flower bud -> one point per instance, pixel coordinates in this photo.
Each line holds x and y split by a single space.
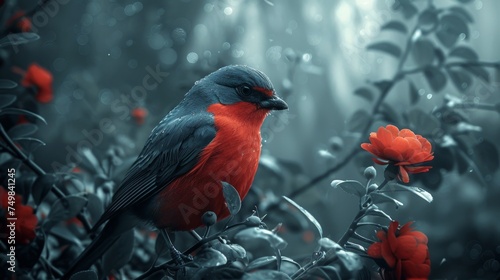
370 172
253 221
209 218
372 188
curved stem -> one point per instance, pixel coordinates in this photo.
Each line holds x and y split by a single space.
352 228
384 183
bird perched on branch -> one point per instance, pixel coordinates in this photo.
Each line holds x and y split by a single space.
213 135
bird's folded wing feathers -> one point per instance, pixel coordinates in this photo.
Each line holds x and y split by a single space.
173 148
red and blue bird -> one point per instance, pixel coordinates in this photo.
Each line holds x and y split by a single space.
211 136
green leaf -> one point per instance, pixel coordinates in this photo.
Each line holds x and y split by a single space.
307 214
232 197
17 111
120 253
18 39
94 207
350 186
422 122
42 186
464 52
374 211
260 262
435 77
460 79
64 209
84 275
395 25
479 72
450 28
29 144
351 261
423 52
249 234
365 93
389 114
6 100
327 244
7 84
266 274
416 190
379 198
386 47
428 19
232 252
209 257
414 95
22 130
358 121
322 272
407 8
462 13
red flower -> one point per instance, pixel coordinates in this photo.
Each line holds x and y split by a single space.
41 78
22 22
402 148
26 219
139 114
404 252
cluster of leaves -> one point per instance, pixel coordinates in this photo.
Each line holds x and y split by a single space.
436 44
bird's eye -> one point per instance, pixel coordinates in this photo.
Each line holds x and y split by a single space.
245 90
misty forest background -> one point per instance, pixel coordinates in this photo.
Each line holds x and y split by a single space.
316 54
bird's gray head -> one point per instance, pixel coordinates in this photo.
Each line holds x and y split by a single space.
240 83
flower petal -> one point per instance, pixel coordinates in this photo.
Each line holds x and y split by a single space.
420 254
421 238
414 144
417 169
404 175
405 229
402 146
385 136
394 130
370 148
377 161
375 250
391 235
406 247
391 154
377 143
407 133
387 254
415 271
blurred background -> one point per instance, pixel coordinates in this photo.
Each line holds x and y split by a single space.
130 62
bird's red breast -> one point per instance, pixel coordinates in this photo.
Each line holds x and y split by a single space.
232 156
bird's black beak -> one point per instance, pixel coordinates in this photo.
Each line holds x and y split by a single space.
273 103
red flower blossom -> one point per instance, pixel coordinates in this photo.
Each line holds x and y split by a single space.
22 22
139 114
40 78
404 252
26 219
403 149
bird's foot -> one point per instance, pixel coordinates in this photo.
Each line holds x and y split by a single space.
179 258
